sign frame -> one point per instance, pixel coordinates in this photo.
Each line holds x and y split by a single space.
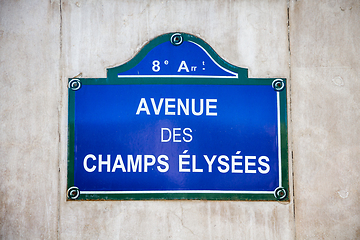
114 77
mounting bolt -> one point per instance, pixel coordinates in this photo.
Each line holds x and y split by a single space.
73 193
74 84
176 39
278 84
280 193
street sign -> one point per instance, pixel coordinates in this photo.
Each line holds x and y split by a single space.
177 122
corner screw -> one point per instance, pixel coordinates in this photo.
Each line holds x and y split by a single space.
74 84
73 193
176 39
278 84
280 193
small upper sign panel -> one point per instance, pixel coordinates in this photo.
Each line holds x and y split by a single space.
186 60
183 56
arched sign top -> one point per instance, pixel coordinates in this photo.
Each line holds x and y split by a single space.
177 55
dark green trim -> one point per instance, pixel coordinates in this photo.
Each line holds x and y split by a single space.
284 142
181 196
71 137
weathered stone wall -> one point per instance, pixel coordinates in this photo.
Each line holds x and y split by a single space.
315 45
30 107
325 113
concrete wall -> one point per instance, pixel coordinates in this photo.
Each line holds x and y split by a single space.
325 111
42 43
30 105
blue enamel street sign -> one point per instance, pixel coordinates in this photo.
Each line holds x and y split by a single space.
177 122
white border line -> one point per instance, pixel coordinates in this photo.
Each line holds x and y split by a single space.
184 191
226 70
279 136
173 76
211 191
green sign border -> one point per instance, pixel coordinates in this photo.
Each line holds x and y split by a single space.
281 194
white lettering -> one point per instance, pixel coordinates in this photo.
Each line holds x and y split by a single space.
158 108
182 162
85 163
161 162
167 106
267 167
247 164
147 163
162 134
181 105
143 107
107 163
225 164
194 169
210 162
176 134
208 107
178 106
118 164
234 163
134 166
188 135
183 66
156 66
193 107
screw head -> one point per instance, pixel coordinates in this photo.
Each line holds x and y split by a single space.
280 193
278 84
73 193
74 84
176 39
